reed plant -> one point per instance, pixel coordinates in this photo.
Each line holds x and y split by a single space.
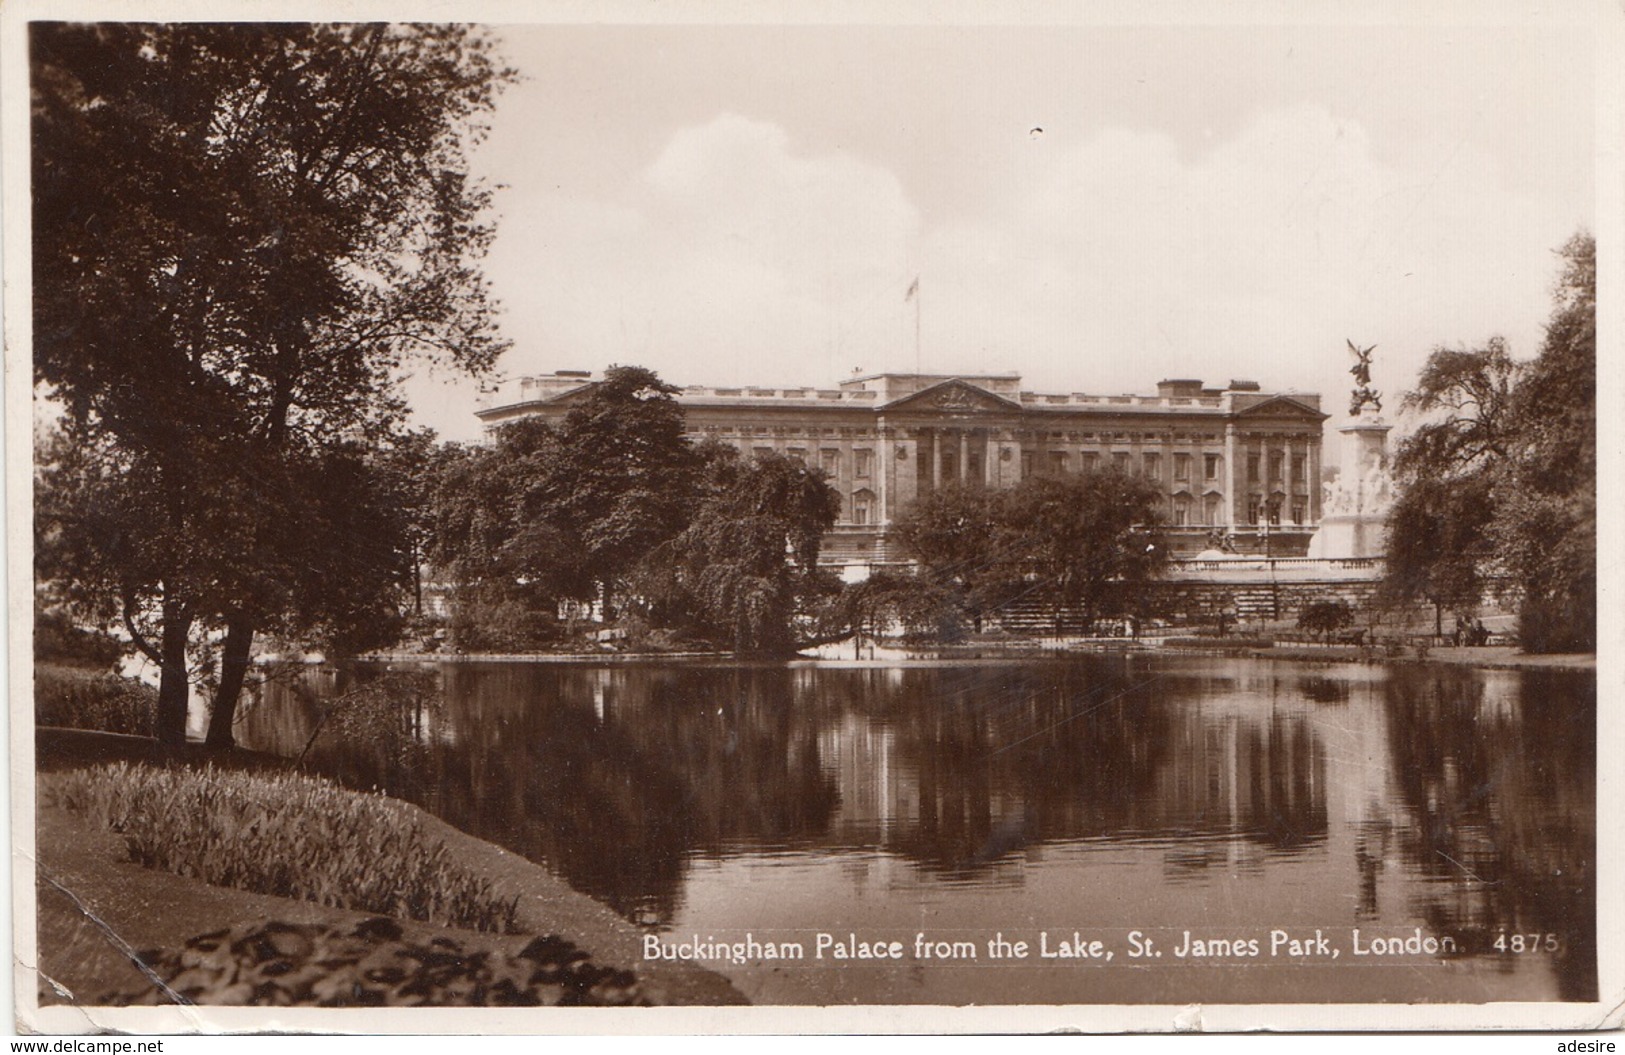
84 699
285 834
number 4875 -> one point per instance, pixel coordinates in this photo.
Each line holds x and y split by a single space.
1526 943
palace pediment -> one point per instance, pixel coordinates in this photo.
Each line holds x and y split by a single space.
1281 408
954 397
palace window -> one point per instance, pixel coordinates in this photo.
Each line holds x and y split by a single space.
1277 466
1253 466
761 452
1210 466
1299 512
830 462
1120 460
1211 508
798 453
1182 468
1026 464
1181 510
1152 465
1091 461
1300 468
862 507
1057 462
862 461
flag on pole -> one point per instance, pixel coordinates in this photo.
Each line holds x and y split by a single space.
913 289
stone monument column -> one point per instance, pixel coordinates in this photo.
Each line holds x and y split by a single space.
1355 520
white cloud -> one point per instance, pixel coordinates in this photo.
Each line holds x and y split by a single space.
738 256
1123 261
732 258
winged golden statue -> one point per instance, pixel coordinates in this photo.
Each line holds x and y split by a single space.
1363 395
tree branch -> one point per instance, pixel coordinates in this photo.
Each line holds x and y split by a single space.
136 636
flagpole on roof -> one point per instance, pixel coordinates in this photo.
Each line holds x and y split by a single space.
914 295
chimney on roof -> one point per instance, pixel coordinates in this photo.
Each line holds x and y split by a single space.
1179 388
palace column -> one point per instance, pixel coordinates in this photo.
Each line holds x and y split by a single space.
990 459
1314 480
936 460
1232 500
885 472
964 456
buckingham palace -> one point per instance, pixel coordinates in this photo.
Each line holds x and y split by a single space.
1232 460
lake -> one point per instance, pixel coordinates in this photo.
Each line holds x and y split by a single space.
1088 829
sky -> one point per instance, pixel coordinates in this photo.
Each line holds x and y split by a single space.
1094 207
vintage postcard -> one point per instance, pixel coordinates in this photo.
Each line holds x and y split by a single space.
629 517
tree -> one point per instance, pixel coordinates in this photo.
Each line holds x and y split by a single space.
1501 480
751 547
1089 538
547 514
240 234
1325 618
1439 543
622 478
1546 499
1439 546
491 533
1468 394
952 533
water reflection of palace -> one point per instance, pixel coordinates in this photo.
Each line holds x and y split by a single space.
971 787
1458 799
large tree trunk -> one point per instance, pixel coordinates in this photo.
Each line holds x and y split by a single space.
174 686
233 669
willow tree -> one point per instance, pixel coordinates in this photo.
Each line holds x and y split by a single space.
1498 482
241 234
750 552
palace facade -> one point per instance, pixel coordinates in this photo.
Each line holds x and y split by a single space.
1233 460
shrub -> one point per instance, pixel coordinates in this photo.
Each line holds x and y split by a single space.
1325 617
503 625
284 834
80 699
57 639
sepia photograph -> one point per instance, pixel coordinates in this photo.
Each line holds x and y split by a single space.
1059 511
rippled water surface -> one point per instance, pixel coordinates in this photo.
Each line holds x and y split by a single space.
1222 828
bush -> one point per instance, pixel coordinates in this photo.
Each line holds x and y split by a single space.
1325 618
58 640
503 625
79 699
284 834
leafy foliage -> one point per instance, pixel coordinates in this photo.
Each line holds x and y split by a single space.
287 835
954 534
57 639
1439 544
241 234
751 546
927 608
1468 394
1082 535
622 478
1082 540
1546 524
75 698
1325 617
1502 480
